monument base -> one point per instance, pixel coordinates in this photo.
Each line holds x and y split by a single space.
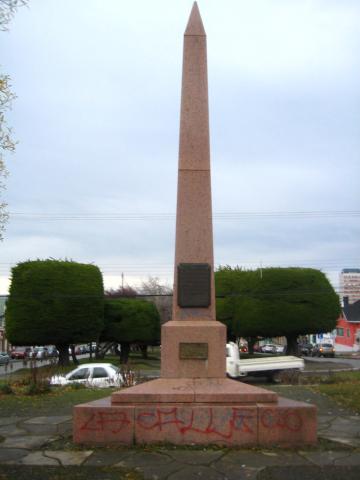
193 332
195 411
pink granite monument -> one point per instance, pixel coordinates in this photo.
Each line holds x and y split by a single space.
194 401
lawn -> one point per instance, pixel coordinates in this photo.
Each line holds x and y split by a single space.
344 388
59 401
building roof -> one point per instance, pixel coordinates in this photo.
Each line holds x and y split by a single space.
352 311
350 270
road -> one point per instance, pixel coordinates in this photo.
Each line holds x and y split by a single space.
15 365
352 362
18 364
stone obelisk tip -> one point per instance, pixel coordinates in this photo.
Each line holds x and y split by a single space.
195 25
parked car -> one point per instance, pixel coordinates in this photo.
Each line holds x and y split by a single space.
20 352
40 353
243 348
305 349
4 358
280 348
99 375
81 349
52 352
268 348
323 350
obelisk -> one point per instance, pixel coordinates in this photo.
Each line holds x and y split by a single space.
193 343
193 401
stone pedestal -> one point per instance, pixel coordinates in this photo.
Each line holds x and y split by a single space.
190 411
211 333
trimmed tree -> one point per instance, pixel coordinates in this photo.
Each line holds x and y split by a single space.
276 302
55 302
129 321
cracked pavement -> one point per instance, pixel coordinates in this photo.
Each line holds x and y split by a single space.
41 447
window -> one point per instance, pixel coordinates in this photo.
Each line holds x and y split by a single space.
348 332
115 369
81 374
340 332
100 372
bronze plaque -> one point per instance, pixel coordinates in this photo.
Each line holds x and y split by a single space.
193 351
194 285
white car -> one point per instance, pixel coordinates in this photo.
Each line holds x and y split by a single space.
99 375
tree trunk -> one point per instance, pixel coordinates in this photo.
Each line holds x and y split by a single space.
102 349
117 351
292 345
73 355
144 352
63 355
251 342
124 353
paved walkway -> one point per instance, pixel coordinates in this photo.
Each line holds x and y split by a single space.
46 442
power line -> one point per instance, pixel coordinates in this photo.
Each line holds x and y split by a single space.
138 216
227 295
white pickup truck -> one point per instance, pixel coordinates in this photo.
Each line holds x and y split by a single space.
272 367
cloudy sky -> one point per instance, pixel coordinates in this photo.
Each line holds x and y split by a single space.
97 118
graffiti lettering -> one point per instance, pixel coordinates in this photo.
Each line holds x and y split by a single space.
203 421
113 422
288 420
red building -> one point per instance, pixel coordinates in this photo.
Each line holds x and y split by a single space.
348 328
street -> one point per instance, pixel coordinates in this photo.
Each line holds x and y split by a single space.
352 362
15 365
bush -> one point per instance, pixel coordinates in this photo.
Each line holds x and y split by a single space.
55 302
77 386
6 389
36 388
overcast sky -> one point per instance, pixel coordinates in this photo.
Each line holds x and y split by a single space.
97 118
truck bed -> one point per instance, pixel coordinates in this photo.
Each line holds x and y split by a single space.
268 363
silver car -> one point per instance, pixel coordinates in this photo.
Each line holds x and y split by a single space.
4 358
323 350
100 375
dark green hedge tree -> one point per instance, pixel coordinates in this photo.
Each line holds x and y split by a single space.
55 302
129 321
276 302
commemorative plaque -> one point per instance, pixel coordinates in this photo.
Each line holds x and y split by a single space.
193 351
194 285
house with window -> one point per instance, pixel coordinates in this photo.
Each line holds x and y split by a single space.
348 328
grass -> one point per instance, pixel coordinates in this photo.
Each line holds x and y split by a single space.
59 400
18 395
343 388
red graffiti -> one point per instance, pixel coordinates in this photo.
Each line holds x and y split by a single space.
288 420
203 422
109 421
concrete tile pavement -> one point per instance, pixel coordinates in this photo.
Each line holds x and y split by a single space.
44 441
